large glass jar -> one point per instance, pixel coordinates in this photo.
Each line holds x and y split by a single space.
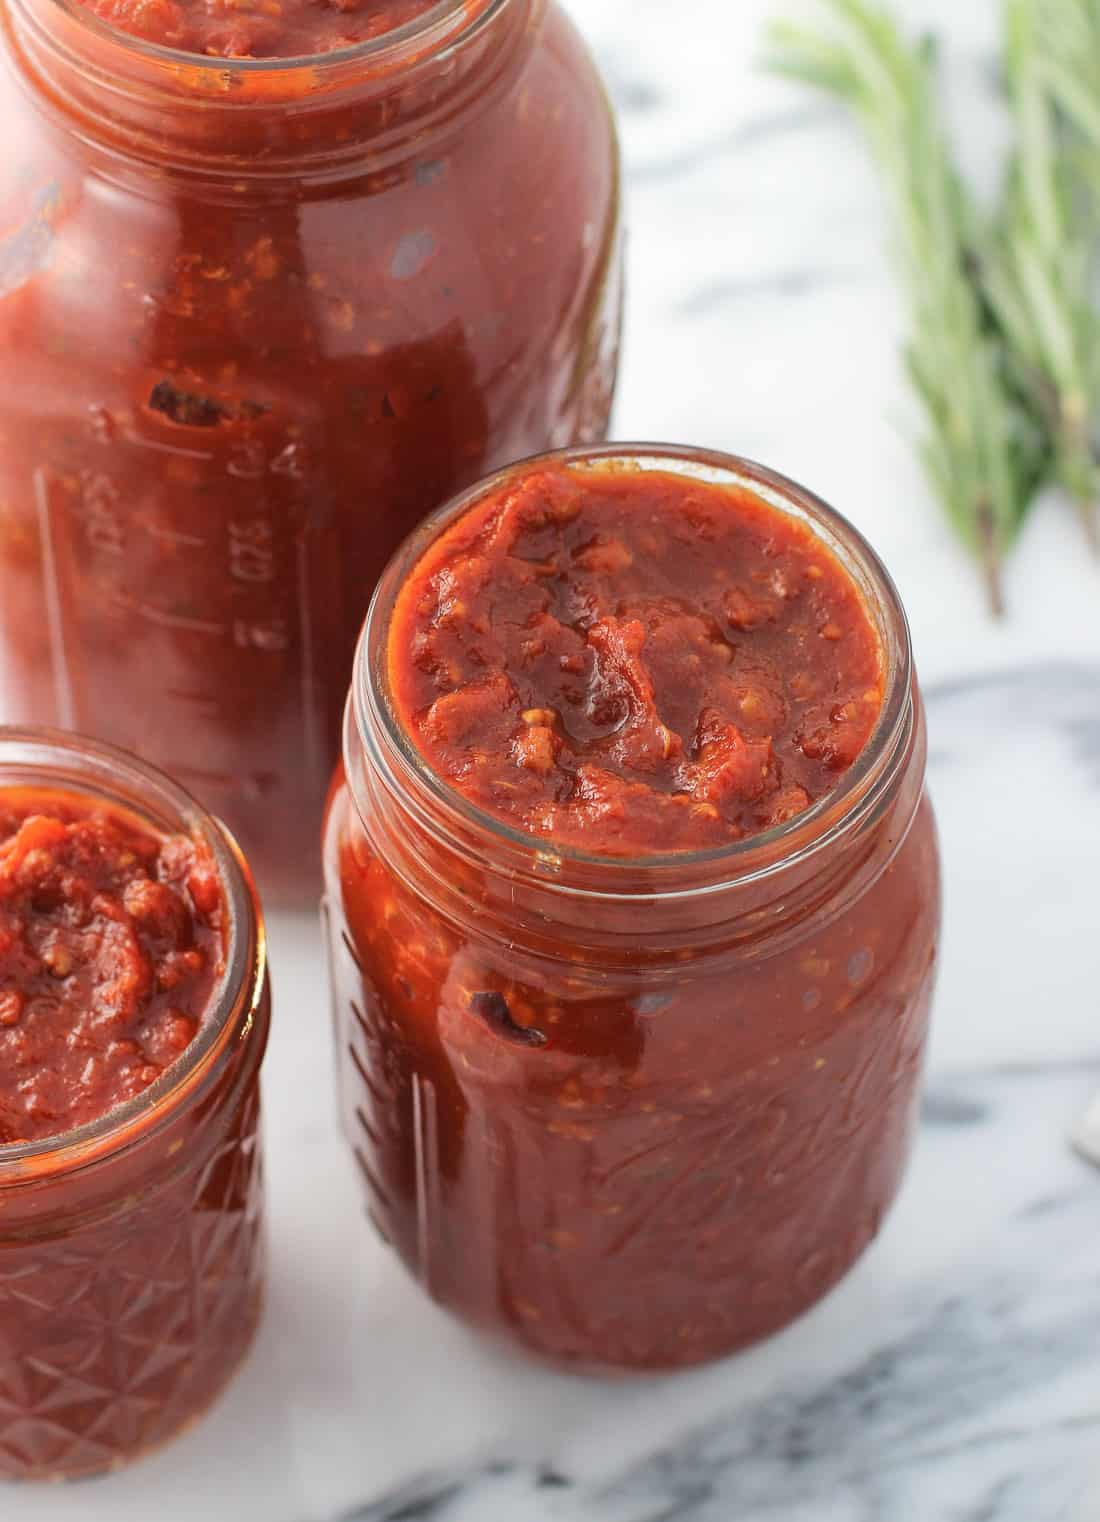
257 318
131 1248
632 1116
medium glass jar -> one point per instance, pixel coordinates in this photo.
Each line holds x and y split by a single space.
685 1106
257 318
131 1248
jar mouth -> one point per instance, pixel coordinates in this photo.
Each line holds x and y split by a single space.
40 756
434 33
858 792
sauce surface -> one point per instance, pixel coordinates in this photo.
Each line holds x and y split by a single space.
632 662
258 28
110 947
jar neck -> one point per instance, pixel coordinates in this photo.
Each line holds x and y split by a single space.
249 121
757 903
752 897
48 759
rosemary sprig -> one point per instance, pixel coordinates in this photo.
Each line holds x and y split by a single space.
1038 276
1067 60
982 450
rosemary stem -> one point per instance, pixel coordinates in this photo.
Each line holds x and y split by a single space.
983 446
991 559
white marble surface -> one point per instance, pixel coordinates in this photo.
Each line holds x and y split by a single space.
955 1377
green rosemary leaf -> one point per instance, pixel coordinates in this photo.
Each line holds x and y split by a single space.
1067 37
1038 270
983 452
1073 93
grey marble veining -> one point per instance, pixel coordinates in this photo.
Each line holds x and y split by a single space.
980 1400
1086 1134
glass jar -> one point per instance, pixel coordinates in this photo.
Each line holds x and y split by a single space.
257 318
701 1107
131 1248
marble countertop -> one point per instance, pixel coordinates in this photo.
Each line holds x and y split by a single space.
955 1376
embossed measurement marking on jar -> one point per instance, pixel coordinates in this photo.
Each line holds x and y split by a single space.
54 605
102 557
426 1157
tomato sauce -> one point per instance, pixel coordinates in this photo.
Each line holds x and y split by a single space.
134 1010
626 662
633 901
259 28
110 947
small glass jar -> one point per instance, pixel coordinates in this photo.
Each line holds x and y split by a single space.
722 1117
257 319
131 1248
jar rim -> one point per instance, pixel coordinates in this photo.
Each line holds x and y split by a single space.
42 756
432 34
860 789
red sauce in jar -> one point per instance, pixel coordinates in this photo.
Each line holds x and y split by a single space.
632 1105
259 28
111 943
337 293
631 662
131 1210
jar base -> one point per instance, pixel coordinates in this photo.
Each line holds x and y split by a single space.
61 1476
694 1354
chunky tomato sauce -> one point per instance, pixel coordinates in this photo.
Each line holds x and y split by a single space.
110 947
632 1108
632 662
259 28
131 1257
